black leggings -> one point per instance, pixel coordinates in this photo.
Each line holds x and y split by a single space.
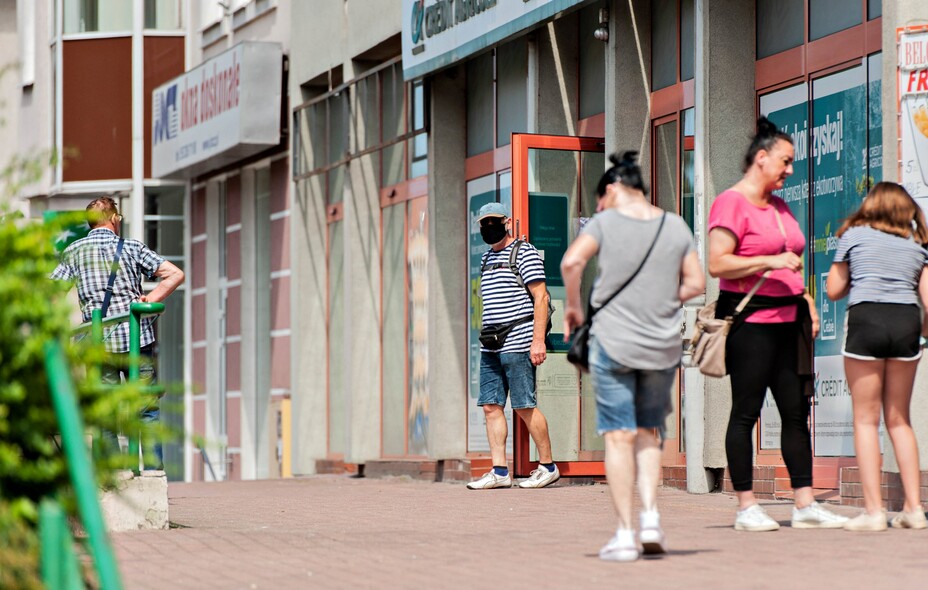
759 356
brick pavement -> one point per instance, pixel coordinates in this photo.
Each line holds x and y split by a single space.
338 532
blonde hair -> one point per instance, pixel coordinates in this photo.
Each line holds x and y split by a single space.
890 208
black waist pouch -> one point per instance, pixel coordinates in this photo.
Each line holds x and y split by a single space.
493 337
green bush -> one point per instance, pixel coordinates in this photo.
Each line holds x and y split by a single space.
33 310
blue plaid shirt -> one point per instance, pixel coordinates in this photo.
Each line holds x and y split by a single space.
89 262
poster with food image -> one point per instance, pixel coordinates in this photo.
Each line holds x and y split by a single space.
912 90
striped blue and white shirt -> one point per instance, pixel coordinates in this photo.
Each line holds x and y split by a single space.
504 300
88 261
884 268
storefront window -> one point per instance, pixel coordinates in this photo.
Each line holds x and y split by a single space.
366 119
164 233
687 39
665 166
688 161
91 16
511 90
663 44
592 64
779 26
418 145
830 16
163 15
480 114
394 124
338 143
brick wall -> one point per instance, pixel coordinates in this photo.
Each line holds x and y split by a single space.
891 487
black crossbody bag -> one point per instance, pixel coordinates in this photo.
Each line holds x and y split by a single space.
579 352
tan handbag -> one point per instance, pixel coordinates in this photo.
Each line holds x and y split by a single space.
710 334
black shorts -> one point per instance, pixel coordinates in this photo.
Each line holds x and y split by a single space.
883 331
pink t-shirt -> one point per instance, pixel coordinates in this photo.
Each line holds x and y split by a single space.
758 234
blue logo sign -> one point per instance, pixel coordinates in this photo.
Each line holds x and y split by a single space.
418 12
166 119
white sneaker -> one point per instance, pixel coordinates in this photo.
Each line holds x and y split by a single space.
541 477
651 535
621 547
816 516
755 519
490 481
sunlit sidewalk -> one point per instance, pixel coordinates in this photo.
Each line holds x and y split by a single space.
339 532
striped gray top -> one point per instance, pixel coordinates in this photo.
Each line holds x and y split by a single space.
884 268
504 300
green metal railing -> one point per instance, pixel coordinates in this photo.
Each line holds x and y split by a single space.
60 569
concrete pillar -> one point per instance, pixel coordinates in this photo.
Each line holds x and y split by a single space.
628 80
900 13
725 117
249 318
213 341
447 268
308 324
361 234
255 320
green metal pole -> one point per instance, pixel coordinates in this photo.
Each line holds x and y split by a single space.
135 339
64 400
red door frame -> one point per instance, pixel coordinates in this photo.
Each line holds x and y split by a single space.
521 144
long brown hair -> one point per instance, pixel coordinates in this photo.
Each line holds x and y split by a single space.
889 208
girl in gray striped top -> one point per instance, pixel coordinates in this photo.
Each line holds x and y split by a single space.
880 266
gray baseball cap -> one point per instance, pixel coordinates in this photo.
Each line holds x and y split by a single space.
492 210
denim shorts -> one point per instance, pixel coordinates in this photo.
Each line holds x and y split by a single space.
627 398
507 371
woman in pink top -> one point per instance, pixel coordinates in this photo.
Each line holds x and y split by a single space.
752 235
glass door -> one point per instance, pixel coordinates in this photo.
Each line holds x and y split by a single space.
553 181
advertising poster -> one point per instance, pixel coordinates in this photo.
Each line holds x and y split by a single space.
788 109
479 192
834 421
913 112
840 180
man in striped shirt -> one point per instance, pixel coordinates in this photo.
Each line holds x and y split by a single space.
510 367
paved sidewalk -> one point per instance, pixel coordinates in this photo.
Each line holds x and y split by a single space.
338 532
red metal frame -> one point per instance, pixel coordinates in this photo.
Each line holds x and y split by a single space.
521 144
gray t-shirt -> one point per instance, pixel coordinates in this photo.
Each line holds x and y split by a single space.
640 328
884 268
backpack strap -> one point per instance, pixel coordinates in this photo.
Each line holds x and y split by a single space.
514 266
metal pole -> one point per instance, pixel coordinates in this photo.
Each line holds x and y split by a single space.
64 400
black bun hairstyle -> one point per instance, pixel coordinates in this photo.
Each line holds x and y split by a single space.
765 139
624 169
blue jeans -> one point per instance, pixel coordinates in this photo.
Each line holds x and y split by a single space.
626 398
150 414
507 371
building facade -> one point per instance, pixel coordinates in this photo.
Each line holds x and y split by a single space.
315 168
413 116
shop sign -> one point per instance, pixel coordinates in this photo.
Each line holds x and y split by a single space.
224 110
438 33
912 88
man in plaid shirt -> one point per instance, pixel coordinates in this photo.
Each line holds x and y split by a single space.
89 262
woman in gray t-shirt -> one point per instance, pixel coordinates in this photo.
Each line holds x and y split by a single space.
635 346
880 266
